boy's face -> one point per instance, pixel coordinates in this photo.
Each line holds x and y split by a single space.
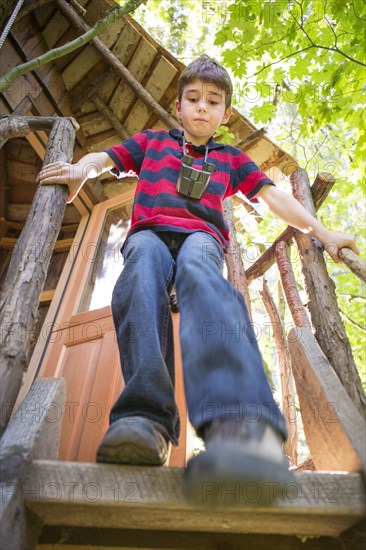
202 110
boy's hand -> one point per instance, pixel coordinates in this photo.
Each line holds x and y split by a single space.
63 173
335 241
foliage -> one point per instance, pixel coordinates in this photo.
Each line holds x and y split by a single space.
183 27
307 52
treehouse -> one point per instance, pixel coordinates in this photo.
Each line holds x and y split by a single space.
60 369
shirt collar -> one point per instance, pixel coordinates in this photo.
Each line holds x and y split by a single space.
212 144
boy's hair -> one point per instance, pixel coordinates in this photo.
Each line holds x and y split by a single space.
208 70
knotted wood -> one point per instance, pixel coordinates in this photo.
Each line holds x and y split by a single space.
28 271
322 301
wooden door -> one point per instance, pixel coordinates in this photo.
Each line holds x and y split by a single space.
82 347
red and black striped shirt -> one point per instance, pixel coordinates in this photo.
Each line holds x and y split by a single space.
156 155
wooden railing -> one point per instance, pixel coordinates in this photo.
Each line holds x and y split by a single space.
321 364
31 256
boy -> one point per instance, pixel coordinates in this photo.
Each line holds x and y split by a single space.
178 239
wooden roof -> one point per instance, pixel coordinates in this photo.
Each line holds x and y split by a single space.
83 85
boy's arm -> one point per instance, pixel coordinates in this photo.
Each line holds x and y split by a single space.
75 175
287 208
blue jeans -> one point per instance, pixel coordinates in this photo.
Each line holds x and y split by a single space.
222 366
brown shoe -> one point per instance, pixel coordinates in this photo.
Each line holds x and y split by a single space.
135 440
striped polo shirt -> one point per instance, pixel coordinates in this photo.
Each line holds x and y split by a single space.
156 157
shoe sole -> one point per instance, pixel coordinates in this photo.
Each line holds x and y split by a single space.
134 446
227 477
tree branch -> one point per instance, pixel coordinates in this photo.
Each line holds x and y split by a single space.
7 79
352 322
313 45
279 60
336 49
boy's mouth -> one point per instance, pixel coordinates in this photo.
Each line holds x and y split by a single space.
200 120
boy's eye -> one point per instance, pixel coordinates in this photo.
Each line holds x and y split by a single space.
213 102
193 99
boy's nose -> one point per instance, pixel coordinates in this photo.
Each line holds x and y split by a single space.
201 105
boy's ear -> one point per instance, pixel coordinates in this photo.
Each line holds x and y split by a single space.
227 115
177 108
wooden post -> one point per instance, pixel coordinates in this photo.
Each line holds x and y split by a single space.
234 261
34 433
284 361
289 286
28 271
320 189
322 301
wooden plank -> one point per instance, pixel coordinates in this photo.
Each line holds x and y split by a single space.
85 61
4 109
93 122
44 14
33 433
54 29
78 538
100 142
160 79
335 431
123 48
124 97
63 245
36 144
125 497
46 297
7 243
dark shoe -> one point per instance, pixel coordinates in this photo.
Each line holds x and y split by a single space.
135 440
243 465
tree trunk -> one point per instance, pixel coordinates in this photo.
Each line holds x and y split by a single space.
28 271
323 307
234 260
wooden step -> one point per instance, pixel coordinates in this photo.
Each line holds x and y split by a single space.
73 494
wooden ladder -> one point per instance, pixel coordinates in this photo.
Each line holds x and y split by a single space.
48 503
